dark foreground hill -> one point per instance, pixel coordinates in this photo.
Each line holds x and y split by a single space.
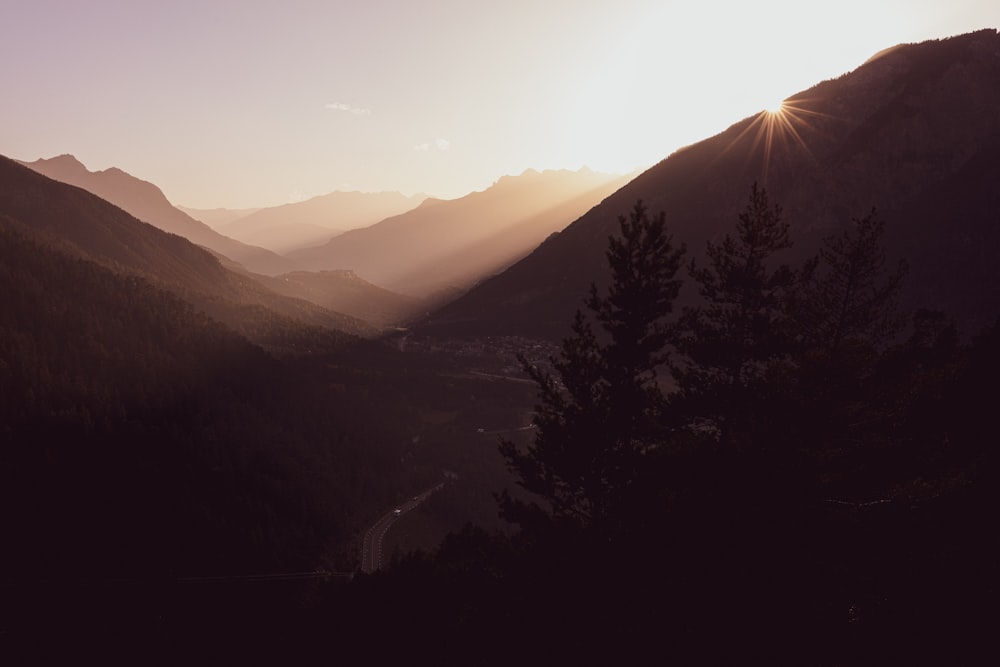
914 132
148 429
162 415
141 431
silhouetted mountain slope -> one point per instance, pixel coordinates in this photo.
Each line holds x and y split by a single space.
77 222
101 375
146 202
141 439
914 132
444 244
317 220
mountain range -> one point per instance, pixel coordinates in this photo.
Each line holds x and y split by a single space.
74 221
914 132
453 244
311 222
424 248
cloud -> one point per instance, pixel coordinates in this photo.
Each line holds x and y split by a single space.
440 144
347 108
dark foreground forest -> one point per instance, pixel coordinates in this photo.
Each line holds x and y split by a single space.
791 472
817 484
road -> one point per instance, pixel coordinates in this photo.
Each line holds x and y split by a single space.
501 431
371 545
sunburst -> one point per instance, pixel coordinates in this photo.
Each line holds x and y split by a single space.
776 109
778 128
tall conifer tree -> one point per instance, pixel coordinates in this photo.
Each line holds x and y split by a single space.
598 416
730 342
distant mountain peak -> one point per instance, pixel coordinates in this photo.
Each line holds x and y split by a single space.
115 171
64 162
67 158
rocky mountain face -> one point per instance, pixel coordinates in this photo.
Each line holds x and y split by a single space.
913 132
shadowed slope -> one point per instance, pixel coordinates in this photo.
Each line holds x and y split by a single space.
913 132
79 223
146 202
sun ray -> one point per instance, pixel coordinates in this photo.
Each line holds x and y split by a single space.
777 132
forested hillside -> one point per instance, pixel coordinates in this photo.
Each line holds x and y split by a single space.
142 437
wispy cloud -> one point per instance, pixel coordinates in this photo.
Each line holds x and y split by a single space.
440 144
347 108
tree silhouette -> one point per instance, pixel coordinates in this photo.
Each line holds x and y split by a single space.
598 417
852 301
730 342
844 315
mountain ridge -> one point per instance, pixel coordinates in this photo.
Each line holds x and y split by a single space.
880 136
79 223
314 221
408 253
145 201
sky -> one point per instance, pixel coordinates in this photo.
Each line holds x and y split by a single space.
246 103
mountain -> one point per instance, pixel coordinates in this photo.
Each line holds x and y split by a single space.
147 202
78 223
914 132
454 243
156 440
317 220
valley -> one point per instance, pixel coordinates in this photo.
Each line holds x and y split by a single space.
743 398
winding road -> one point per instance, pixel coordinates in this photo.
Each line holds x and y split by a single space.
371 545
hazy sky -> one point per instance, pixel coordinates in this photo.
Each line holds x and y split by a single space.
244 103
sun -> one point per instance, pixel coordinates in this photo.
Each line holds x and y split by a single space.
775 131
776 109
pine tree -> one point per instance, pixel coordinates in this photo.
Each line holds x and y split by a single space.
731 342
852 300
845 314
598 417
